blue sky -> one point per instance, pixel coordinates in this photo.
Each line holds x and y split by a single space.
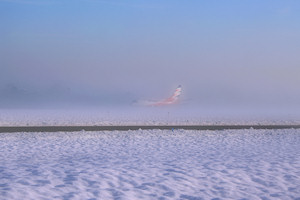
215 49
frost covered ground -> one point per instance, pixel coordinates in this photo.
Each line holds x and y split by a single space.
130 115
154 164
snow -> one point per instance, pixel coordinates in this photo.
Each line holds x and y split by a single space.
147 116
151 164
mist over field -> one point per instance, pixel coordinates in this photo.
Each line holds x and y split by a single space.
99 53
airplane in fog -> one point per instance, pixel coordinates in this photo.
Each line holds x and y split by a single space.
171 100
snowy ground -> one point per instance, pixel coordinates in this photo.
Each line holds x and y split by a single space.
185 115
154 164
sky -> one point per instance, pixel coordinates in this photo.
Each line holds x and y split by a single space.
233 51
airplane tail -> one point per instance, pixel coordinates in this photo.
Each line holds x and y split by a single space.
171 100
177 93
174 98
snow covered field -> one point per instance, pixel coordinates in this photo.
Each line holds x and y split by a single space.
154 164
185 115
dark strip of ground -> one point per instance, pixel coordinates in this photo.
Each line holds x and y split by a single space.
10 129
